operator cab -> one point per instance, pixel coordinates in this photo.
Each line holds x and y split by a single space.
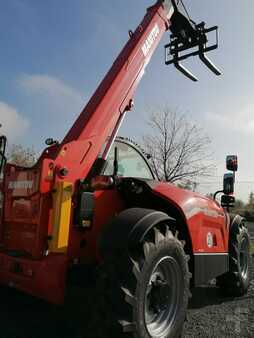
132 161
125 159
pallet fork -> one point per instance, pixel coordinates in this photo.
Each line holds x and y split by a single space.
186 35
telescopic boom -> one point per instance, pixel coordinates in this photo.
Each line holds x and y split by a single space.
101 119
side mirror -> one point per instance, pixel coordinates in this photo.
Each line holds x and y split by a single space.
232 163
228 184
227 201
85 212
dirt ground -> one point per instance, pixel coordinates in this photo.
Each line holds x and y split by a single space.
209 315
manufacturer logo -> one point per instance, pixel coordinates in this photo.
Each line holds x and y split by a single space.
20 185
209 240
150 40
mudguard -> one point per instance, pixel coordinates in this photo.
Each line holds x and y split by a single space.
200 220
208 226
129 228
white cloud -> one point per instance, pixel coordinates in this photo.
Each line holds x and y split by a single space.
240 121
52 104
14 125
231 130
54 92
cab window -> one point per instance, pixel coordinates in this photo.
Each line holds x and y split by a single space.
131 162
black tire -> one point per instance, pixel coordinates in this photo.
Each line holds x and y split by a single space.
146 295
237 280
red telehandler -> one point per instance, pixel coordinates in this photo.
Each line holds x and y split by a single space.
84 204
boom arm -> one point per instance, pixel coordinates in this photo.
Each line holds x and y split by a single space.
102 116
82 144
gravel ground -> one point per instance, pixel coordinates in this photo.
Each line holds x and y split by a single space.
212 315
209 315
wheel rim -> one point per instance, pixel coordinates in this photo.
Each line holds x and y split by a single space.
163 293
244 259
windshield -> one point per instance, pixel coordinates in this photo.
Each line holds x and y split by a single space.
131 163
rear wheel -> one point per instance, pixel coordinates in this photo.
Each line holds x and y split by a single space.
236 281
148 293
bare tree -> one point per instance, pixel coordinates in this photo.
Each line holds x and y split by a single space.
179 149
18 155
24 157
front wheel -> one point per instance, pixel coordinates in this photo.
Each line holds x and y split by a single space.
149 293
236 281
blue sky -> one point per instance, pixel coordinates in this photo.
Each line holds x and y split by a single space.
54 54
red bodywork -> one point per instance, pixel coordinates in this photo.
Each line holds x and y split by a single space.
202 216
25 262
